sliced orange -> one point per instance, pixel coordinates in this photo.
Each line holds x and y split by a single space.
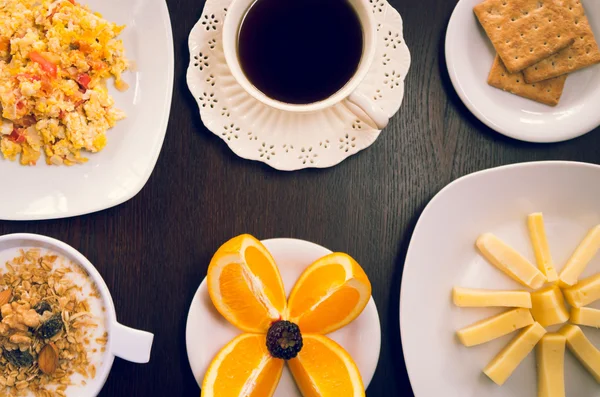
324 369
243 368
245 286
330 293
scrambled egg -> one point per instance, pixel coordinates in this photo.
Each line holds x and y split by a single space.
55 58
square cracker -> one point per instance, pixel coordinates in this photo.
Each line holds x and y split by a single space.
547 92
584 52
524 32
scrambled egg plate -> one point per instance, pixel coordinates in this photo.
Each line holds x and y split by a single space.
55 57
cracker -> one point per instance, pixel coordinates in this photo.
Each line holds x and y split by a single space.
525 31
547 92
584 52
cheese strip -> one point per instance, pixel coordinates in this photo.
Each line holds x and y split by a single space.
504 364
586 316
505 258
584 253
548 306
584 292
471 297
537 234
494 327
550 355
583 349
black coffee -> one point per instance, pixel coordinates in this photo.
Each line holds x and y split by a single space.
300 51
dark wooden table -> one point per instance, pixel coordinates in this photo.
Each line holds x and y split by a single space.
153 251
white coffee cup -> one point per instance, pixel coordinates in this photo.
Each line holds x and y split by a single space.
233 20
124 342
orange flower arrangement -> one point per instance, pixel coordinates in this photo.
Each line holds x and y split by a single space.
246 288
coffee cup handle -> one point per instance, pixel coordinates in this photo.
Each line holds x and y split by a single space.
367 105
131 344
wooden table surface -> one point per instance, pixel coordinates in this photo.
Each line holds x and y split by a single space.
153 251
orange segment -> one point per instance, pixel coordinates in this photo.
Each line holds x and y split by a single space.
261 262
243 367
319 279
324 369
330 293
245 286
330 311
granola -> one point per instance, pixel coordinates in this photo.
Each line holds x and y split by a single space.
46 329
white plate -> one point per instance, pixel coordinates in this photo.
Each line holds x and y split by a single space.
442 255
121 170
207 331
469 56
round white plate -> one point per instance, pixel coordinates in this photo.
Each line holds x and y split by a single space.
292 141
121 170
469 57
442 255
207 331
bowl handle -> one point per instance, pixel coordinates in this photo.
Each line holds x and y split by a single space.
374 112
131 344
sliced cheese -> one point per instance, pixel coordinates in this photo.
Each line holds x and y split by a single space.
537 234
584 292
495 327
550 355
584 253
471 297
548 306
504 364
585 316
505 258
583 349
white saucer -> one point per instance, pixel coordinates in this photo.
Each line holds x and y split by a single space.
442 254
292 141
469 56
207 332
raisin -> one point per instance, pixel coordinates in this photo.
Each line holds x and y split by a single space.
50 327
18 358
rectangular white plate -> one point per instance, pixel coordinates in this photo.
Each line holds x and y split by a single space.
442 255
122 169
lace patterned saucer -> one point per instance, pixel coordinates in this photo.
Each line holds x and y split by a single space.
292 141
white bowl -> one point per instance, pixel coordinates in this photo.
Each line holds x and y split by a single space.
126 343
469 57
442 254
207 331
